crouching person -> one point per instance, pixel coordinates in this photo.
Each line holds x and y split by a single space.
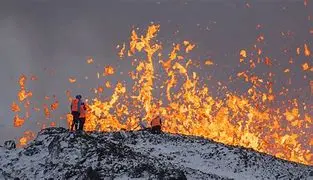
156 125
82 116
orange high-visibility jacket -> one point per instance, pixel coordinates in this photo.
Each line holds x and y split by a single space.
74 105
156 121
82 111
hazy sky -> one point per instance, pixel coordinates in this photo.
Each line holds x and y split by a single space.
40 36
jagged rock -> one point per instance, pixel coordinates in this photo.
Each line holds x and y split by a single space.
54 148
172 175
92 174
10 144
31 150
57 153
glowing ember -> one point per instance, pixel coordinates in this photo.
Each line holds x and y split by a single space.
209 62
305 66
108 84
268 61
23 94
72 80
243 55
260 38
15 107
28 136
122 51
23 141
189 46
54 106
46 111
307 51
18 122
286 70
34 78
90 61
109 70
298 51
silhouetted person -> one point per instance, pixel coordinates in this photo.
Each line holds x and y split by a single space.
82 116
75 108
156 124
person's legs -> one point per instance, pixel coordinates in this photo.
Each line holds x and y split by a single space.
77 124
158 129
83 123
155 129
75 119
152 129
80 124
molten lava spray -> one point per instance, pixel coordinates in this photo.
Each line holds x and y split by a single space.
185 102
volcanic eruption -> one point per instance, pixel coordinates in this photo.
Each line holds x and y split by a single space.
258 106
185 102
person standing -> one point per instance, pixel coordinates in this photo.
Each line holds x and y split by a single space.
75 110
82 116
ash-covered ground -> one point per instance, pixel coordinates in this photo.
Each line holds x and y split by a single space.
57 153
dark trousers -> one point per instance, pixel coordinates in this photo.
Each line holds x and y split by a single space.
81 123
75 120
156 129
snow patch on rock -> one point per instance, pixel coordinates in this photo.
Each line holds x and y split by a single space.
57 153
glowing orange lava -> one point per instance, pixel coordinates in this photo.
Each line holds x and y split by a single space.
237 120
187 107
28 135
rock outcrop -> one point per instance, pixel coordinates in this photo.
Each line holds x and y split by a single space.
59 154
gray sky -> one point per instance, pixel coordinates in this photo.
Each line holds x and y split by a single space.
60 34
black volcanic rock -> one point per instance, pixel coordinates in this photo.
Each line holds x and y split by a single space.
10 144
57 153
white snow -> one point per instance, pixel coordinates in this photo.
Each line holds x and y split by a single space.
58 154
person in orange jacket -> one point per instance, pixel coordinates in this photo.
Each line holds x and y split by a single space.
82 116
156 124
75 110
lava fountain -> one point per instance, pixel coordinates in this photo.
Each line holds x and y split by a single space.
187 105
